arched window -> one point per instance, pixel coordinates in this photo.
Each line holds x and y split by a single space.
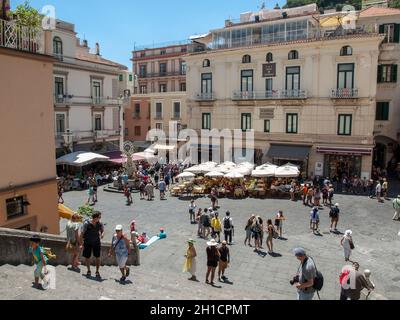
293 55
206 63
346 51
269 57
246 59
57 47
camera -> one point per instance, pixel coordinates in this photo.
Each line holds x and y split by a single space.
295 279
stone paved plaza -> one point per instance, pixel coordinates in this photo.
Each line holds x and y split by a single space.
254 276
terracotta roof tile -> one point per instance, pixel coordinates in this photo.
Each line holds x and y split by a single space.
97 59
378 11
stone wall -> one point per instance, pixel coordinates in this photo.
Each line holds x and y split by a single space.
14 246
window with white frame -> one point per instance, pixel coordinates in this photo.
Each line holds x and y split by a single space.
60 123
159 108
97 122
177 110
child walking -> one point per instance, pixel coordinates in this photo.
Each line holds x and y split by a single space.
40 260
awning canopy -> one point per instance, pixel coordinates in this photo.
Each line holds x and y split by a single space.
81 158
288 152
163 147
345 151
141 144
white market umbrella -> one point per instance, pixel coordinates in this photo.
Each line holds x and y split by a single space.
186 175
262 173
209 164
234 175
246 164
242 170
287 172
266 165
228 164
81 158
214 174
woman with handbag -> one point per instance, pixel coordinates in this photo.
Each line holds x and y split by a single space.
121 247
347 244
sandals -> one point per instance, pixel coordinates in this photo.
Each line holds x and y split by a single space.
88 274
98 275
127 271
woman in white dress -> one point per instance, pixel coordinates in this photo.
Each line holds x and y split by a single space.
347 244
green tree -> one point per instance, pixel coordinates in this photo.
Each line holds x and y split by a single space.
394 3
28 16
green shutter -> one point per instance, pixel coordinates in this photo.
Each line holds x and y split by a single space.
394 73
379 74
396 33
382 28
386 111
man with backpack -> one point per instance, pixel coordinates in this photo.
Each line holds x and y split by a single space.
306 275
334 215
228 228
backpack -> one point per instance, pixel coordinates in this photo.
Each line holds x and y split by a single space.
319 278
227 223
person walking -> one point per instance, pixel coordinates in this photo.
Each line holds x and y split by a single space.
60 193
149 191
94 183
40 260
199 217
213 256
385 187
396 207
270 231
162 187
128 195
279 222
247 228
192 212
91 235
317 197
224 261
190 260
206 223
90 200
331 192
305 193
378 191
352 291
216 226
120 246
304 279
142 191
334 215
347 243
256 230
228 228
314 220
73 240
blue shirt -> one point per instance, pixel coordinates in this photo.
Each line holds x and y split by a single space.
36 254
161 185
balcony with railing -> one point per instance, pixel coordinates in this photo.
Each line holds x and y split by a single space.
15 36
66 99
269 95
205 96
344 93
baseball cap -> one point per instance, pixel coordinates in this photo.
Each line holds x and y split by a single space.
118 228
299 252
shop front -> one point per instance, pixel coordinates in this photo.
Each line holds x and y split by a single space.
281 154
347 162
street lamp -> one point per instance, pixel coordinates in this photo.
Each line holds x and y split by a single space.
68 140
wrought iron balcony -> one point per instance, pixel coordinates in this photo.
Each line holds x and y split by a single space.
270 95
15 36
71 99
205 96
344 93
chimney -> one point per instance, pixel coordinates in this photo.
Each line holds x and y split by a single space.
85 43
97 49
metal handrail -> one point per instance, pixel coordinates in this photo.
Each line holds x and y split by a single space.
273 94
343 93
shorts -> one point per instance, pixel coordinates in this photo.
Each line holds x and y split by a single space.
223 264
38 273
88 248
121 261
212 264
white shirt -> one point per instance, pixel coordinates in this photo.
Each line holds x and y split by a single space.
378 187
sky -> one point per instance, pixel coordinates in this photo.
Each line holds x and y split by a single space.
119 25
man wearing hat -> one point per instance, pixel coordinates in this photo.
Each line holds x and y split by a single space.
396 207
304 280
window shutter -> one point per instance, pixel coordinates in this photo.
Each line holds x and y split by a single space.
379 74
394 73
396 32
381 28
114 88
386 111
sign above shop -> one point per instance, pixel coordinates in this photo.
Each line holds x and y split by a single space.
269 70
266 113
345 151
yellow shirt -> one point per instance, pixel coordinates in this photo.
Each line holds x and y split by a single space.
216 224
